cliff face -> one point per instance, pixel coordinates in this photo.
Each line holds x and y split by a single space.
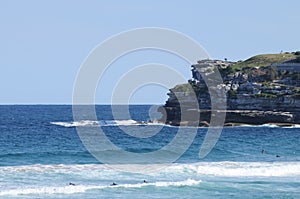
262 89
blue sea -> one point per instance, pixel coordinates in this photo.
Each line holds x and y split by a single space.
41 153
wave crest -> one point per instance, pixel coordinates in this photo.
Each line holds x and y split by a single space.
235 169
90 123
84 188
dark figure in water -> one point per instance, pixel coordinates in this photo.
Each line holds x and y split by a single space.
145 181
262 151
113 184
277 156
71 184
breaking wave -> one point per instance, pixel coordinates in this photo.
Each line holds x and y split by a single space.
84 188
186 175
226 168
90 123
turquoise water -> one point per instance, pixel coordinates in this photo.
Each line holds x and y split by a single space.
41 153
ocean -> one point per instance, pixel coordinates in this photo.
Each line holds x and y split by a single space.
42 156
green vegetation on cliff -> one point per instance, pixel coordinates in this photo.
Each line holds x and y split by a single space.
190 87
186 88
262 61
257 69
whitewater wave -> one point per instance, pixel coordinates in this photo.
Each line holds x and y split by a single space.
235 169
250 169
294 126
270 126
186 175
84 188
90 123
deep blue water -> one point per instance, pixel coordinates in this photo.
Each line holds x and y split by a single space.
41 152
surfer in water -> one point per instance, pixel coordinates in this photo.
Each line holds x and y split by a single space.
71 184
145 181
113 184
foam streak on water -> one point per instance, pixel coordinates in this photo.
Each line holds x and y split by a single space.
236 169
83 188
89 123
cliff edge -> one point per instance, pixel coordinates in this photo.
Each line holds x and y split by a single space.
262 89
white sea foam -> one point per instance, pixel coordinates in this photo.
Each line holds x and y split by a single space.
162 178
48 190
250 169
74 124
269 126
84 188
236 169
293 126
91 123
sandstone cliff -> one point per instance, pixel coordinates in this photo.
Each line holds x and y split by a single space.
262 89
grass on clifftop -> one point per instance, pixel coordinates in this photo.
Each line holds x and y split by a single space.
263 60
186 88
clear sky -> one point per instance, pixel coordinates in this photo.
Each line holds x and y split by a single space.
43 43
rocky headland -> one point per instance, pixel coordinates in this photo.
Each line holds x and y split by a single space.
264 89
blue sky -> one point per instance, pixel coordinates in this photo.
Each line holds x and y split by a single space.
43 43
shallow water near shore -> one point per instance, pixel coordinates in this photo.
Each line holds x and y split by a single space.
41 153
